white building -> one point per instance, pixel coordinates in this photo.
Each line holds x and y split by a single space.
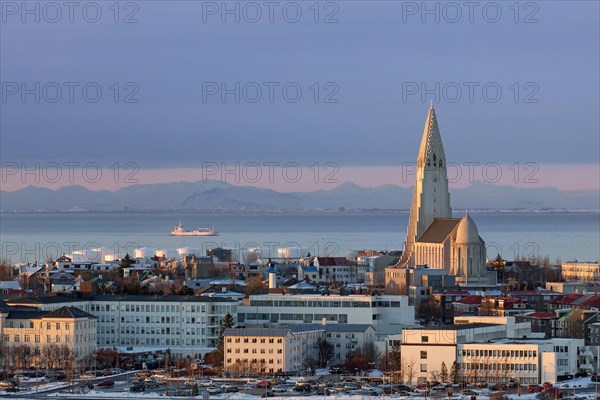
386 313
489 353
287 348
270 350
574 271
185 325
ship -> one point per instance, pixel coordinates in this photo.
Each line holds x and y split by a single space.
179 230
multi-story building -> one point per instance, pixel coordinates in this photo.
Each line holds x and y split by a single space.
272 350
347 338
574 271
67 329
288 348
183 325
387 313
485 353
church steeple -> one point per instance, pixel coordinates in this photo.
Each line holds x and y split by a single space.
431 198
431 151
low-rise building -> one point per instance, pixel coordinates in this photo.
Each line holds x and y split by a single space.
487 353
574 271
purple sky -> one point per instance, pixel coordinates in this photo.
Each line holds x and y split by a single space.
366 112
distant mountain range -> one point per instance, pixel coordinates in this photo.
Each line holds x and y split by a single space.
214 195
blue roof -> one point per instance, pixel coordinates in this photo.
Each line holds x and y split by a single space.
310 268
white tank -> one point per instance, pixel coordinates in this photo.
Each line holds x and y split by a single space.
291 252
143 252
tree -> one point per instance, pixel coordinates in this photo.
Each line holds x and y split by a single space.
409 369
254 285
454 373
325 351
215 357
443 372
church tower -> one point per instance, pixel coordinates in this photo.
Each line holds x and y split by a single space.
431 198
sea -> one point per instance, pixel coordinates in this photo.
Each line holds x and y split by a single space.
38 236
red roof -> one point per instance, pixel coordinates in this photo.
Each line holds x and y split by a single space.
470 300
567 299
592 301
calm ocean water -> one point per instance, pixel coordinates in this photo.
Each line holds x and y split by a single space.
35 236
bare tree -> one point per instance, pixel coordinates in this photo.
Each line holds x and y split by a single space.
409 369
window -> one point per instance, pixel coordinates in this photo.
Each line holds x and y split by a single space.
423 367
423 355
424 339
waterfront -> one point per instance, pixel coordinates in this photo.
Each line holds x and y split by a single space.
33 236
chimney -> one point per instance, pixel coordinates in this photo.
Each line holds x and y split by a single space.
272 280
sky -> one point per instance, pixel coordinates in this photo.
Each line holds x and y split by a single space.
156 91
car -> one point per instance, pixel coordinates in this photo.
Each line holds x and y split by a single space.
439 387
546 385
267 394
105 384
138 388
469 392
230 388
12 389
552 391
497 387
263 384
213 390
595 378
8 383
402 388
534 388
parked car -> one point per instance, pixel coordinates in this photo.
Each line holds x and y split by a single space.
105 384
552 392
498 387
138 388
534 388
213 390
595 378
512 383
230 388
12 389
469 392
263 384
268 394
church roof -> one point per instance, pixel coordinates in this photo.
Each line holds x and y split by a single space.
467 231
439 230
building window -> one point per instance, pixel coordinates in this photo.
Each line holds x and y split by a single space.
423 355
423 367
424 339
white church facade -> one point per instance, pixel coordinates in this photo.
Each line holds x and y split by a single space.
433 237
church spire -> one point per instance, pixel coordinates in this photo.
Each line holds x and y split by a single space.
431 142
431 198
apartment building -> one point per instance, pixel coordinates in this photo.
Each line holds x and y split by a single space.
270 350
286 348
183 325
386 313
574 271
65 328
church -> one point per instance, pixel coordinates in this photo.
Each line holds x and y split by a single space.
433 237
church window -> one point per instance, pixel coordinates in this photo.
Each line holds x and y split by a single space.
434 158
440 163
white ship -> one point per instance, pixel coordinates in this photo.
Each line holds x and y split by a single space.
179 230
